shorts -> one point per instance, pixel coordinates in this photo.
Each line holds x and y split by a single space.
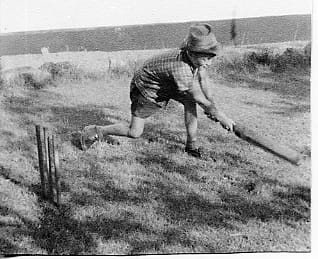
144 107
141 106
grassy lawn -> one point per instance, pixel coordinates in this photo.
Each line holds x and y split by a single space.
146 196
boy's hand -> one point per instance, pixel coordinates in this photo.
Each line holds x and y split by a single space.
225 122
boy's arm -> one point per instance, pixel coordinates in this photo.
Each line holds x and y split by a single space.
213 113
201 96
203 82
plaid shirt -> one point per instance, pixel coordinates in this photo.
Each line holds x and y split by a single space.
162 76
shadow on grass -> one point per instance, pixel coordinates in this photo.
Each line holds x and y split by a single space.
172 236
7 248
167 164
196 210
284 108
58 232
236 205
230 159
62 119
109 193
191 209
292 110
287 85
70 119
25 146
279 209
7 174
158 132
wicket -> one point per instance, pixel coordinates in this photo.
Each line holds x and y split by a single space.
48 165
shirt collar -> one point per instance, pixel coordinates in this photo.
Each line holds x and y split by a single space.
186 59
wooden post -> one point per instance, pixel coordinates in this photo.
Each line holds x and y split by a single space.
50 178
40 155
46 163
57 172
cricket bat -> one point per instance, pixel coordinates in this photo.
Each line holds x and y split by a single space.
267 144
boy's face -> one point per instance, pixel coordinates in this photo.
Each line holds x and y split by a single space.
200 59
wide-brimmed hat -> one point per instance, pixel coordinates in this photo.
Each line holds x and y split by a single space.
201 39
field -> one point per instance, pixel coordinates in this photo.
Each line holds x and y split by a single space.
156 36
146 196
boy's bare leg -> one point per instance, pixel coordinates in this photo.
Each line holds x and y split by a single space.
92 133
134 130
191 123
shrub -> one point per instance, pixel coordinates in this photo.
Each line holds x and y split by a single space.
63 70
68 71
291 59
127 69
236 64
264 57
1 79
307 51
119 71
250 62
25 77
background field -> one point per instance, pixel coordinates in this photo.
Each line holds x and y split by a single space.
147 196
156 36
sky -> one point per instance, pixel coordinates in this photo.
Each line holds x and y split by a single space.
31 15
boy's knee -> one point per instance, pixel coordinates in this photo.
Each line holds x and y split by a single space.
135 133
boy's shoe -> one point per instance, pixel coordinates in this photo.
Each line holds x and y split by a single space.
76 139
86 143
88 137
195 152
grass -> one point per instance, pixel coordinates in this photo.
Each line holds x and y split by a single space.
147 196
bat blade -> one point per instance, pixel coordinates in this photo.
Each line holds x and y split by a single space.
267 144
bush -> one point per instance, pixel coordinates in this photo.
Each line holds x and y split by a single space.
307 51
68 71
250 62
262 58
63 70
25 77
236 64
291 59
127 69
1 79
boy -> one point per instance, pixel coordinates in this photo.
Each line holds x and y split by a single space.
178 74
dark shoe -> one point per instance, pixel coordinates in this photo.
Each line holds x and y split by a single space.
88 137
195 152
76 139
86 143
79 141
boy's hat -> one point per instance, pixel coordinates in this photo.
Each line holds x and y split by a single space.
201 39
